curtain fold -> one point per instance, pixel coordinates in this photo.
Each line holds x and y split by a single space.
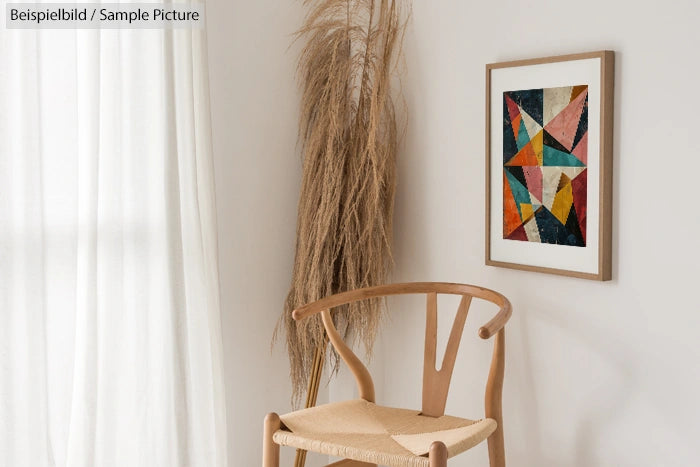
110 336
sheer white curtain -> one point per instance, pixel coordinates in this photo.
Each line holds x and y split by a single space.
110 338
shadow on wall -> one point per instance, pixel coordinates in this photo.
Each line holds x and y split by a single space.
616 174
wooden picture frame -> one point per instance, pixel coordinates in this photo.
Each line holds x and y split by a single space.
549 126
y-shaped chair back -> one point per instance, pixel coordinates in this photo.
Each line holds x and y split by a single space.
436 382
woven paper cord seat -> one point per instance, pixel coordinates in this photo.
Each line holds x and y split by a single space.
367 432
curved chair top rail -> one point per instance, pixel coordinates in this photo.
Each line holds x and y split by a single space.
485 332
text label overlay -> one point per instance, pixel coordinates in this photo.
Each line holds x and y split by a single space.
104 15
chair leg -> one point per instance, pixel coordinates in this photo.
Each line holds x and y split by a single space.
493 401
437 456
497 451
271 450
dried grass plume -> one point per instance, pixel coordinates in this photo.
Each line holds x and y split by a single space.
348 135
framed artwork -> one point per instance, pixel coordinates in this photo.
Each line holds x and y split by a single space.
549 164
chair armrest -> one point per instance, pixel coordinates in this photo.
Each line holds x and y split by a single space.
365 385
497 322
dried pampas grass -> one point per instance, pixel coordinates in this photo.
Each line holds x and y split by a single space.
348 134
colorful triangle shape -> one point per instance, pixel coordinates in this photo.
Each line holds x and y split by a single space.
532 126
554 157
563 127
526 156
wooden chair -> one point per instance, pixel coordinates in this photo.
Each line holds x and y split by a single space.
367 434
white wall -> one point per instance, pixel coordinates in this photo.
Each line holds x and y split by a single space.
254 112
598 374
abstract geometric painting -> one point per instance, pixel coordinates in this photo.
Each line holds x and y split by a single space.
545 155
549 163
